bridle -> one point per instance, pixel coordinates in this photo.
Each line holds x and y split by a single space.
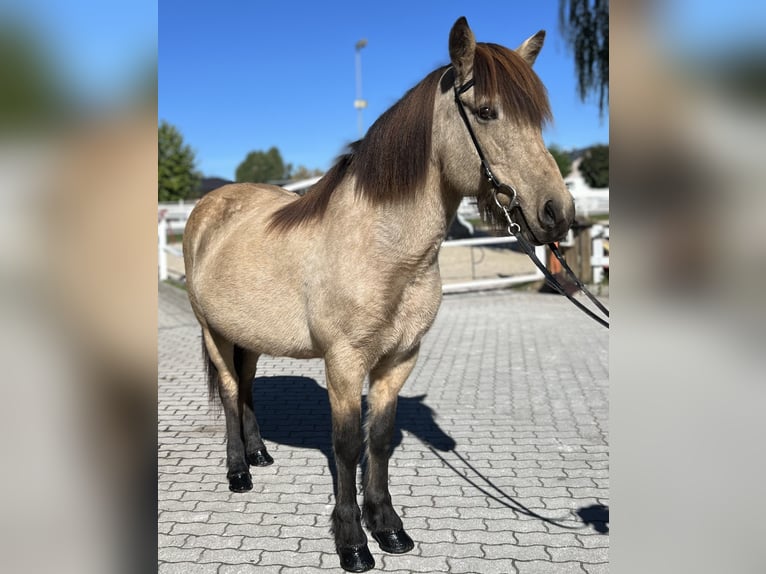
497 186
509 203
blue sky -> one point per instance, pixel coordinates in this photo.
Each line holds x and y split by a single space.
237 76
100 50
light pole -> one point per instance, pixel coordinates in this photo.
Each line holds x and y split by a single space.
359 103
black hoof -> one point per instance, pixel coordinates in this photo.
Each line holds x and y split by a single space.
260 458
394 541
240 482
356 559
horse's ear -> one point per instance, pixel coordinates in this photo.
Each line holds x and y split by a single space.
462 46
531 47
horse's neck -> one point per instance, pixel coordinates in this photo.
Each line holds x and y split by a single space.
416 226
439 204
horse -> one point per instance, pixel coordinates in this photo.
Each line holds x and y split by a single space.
349 272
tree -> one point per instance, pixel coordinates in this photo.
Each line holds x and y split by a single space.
562 160
177 175
302 172
32 94
584 25
261 167
594 166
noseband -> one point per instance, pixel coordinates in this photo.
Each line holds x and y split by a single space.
510 201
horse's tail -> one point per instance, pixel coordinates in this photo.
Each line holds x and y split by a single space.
211 372
213 379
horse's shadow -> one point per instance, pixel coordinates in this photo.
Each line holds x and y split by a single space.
595 515
295 411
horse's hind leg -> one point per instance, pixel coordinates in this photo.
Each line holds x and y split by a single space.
221 354
386 380
246 363
345 377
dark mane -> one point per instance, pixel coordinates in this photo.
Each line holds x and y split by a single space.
315 201
391 162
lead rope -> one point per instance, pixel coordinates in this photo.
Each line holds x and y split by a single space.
515 230
555 250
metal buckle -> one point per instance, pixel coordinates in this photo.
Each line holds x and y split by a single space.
513 227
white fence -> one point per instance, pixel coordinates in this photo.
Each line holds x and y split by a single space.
599 260
475 284
175 215
591 202
171 219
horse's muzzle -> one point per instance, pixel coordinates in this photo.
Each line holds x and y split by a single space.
555 216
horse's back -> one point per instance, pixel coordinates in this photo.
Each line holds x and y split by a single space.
225 208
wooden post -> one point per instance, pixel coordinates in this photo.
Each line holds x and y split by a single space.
553 264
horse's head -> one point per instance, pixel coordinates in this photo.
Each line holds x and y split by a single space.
506 106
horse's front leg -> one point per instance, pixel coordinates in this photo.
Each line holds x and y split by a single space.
386 380
345 378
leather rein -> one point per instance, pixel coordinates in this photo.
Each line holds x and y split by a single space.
506 198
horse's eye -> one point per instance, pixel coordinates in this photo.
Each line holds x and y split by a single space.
486 113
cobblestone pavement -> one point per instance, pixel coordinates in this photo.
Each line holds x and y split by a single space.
500 461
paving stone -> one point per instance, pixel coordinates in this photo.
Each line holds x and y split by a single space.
248 569
427 535
220 506
303 570
230 556
483 537
456 523
287 519
546 539
412 563
429 512
325 545
514 551
512 525
183 516
200 528
235 517
594 540
174 554
305 531
451 550
213 542
186 568
251 530
270 543
474 566
290 558
171 540
588 492
589 555
545 567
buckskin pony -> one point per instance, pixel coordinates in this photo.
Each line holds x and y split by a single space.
349 272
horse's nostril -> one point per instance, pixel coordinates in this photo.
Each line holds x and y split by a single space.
549 215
